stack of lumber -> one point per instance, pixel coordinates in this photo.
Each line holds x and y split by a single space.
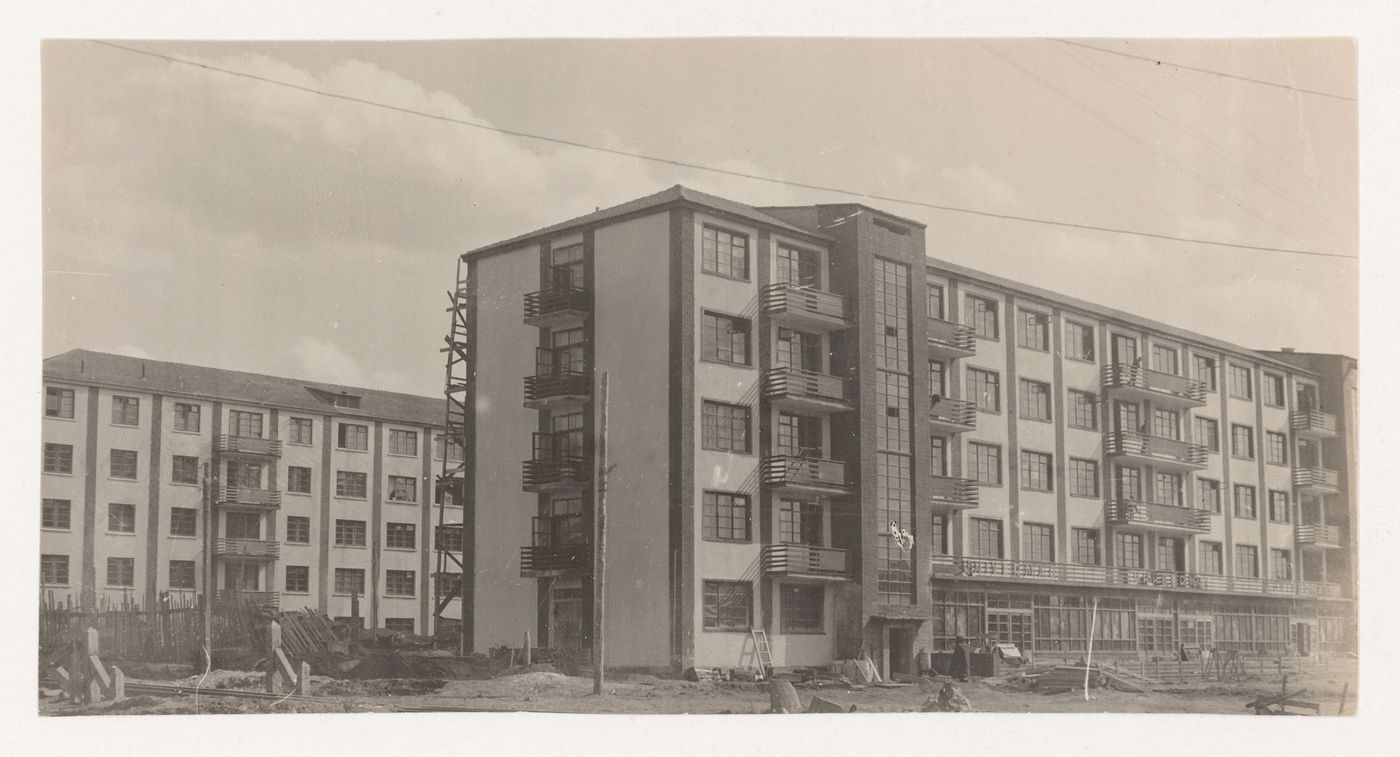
308 634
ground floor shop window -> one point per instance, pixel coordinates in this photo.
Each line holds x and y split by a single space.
803 609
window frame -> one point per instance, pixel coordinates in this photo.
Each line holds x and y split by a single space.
299 470
1210 441
112 469
1075 477
991 378
60 457
304 584
711 521
412 490
995 451
295 425
1031 463
1078 400
403 578
1074 342
1236 373
1235 428
127 572
180 517
340 490
185 565
303 529
991 312
1217 551
183 413
705 263
1209 379
349 532
1237 501
1215 507
396 438
728 416
1094 540
720 602
1274 507
395 533
124 406
1033 330
1272 384
789 620
175 462
50 563
990 527
359 431
1275 442
1252 551
116 518
62 394
49 510
1034 536
1028 390
717 317
344 575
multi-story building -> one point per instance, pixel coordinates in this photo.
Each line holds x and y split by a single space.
315 492
817 430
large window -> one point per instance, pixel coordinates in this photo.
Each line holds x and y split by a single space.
800 522
726 517
401 536
728 606
245 423
298 479
985 387
1083 410
1034 331
184 469
1204 370
1037 471
724 338
1244 502
298 529
349 533
1242 441
1079 341
1035 400
804 608
1171 554
1276 449
982 316
1246 561
724 252
798 266
892 426
58 458
403 442
1165 359
1212 559
126 411
1208 495
1127 550
1273 390
350 484
724 427
1037 542
121 571
798 349
352 436
1086 546
400 583
985 538
186 416
985 462
121 518
1241 382
58 403
57 513
1207 433
301 431
1278 507
123 463
403 489
1083 477
183 521
1166 488
350 581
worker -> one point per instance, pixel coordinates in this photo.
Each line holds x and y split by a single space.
961 663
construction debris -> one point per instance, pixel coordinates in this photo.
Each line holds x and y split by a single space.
822 704
1279 704
949 699
782 697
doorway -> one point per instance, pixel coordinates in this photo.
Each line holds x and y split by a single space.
901 651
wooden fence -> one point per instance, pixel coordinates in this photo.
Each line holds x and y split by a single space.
169 630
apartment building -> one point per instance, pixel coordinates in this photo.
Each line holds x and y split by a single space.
158 477
818 430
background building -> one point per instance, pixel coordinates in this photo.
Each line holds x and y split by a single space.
315 491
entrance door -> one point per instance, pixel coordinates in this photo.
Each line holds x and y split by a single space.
566 619
1302 639
901 651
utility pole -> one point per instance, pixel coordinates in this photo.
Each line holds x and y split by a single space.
600 526
207 619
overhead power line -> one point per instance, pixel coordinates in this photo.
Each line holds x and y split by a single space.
1212 72
714 169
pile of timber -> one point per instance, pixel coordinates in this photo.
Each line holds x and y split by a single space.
307 634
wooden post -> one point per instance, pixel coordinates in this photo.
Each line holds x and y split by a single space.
207 566
527 649
1342 705
77 667
1180 669
355 622
94 673
273 678
600 521
304 679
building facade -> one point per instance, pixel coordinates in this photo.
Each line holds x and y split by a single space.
158 477
817 430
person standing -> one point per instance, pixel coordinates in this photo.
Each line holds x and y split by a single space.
961 664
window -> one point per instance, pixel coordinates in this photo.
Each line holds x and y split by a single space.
724 252
243 526
1276 449
1034 333
182 574
184 470
1246 561
1127 550
1037 471
728 606
1281 564
57 513
53 570
726 516
986 538
449 538
403 442
403 489
804 608
298 579
982 317
1083 410
800 522
1212 559
1278 507
349 581
1208 491
58 458
1166 424
724 339
298 529
985 387
1241 382
1273 390
454 449
1164 359
401 536
725 428
1205 371
398 625
1083 477
891 426
245 423
798 349
298 479
126 411
301 431
1035 400
1166 488
938 539
121 518
1242 441
400 583
352 436
935 302
1079 340
1207 434
123 464
58 403
566 266
1037 542
1086 546
1171 554
1244 501
986 462
799 266
349 533
349 484
121 571
1129 483
346 400
183 521
186 417
245 475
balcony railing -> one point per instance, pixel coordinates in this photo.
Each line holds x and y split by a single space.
813 306
261 549
229 444
803 387
557 385
1154 383
806 561
945 566
947 337
265 599
1128 512
1157 449
558 300
1313 423
954 415
564 470
267 499
949 492
1316 478
799 471
1319 535
553 558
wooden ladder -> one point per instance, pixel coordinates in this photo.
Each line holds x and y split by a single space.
762 651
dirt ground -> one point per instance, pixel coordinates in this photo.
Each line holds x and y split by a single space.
544 691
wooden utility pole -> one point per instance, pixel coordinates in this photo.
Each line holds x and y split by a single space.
207 614
600 526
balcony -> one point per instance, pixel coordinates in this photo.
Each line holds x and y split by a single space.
247 497
554 388
559 303
1156 451
555 473
950 340
803 561
554 559
800 473
796 389
1315 480
948 414
804 307
1319 536
948 567
1127 512
1314 424
1163 389
950 493
247 446
267 600
255 549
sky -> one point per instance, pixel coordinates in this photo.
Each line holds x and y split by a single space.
194 216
